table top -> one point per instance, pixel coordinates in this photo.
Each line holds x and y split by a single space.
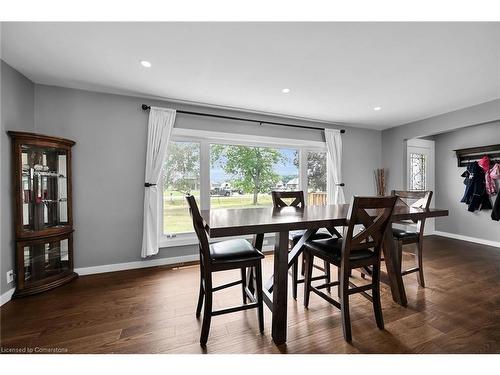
241 221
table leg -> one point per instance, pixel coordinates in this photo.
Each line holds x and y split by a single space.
292 255
280 288
393 270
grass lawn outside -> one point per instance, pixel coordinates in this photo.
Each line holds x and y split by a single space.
176 218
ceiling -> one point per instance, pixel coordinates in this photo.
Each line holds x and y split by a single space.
336 72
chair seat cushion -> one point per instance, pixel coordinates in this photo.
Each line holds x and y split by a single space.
331 250
403 234
234 251
296 235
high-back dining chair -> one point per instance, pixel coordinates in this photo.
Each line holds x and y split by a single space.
296 199
355 250
418 199
223 256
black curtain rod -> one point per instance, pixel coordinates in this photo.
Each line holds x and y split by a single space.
145 107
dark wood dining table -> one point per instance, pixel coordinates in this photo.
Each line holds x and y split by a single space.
262 220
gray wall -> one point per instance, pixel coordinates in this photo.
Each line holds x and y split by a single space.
17 98
109 158
450 187
393 151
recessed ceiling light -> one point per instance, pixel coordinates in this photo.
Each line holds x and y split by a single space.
145 63
377 108
285 91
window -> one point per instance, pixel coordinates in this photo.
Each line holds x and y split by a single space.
244 176
316 178
181 175
417 171
225 171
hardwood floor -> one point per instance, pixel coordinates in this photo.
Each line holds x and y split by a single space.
153 311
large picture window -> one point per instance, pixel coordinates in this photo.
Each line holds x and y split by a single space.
222 171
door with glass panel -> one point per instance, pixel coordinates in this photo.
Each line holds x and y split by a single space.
420 170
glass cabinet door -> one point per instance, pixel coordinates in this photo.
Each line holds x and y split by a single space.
43 260
44 187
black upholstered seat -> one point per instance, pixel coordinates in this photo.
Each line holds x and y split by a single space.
404 234
296 235
233 251
331 249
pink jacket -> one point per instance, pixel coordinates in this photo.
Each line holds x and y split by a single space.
492 174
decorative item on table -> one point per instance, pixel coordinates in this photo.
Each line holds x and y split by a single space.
380 181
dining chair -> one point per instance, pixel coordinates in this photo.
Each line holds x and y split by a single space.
355 250
223 256
418 199
296 199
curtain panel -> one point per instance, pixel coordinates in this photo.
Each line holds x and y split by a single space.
160 124
335 192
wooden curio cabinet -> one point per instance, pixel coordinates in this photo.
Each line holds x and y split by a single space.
43 216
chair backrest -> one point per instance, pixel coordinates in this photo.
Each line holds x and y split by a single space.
199 228
374 214
297 196
415 199
419 199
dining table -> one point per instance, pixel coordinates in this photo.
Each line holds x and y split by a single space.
258 221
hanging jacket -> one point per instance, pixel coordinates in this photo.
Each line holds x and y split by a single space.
467 182
475 188
495 214
495 175
484 163
491 175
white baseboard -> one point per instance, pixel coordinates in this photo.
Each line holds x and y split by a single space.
6 297
467 238
135 265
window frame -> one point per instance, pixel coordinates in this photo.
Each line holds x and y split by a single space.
205 139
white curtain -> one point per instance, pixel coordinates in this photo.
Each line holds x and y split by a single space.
160 124
335 193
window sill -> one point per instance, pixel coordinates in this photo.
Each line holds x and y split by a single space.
191 240
185 240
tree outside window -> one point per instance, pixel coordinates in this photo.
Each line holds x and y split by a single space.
249 174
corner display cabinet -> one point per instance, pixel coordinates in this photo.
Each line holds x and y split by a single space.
43 221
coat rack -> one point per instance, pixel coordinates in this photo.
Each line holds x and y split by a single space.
467 155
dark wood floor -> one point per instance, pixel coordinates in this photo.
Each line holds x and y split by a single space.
152 311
